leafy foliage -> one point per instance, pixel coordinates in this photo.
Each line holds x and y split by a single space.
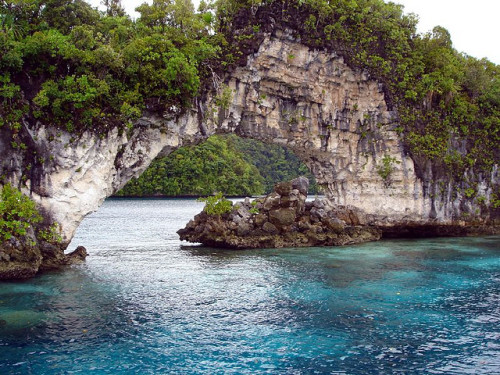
229 164
212 166
17 213
79 69
275 163
386 167
51 234
216 204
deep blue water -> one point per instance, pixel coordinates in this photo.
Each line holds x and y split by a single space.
143 304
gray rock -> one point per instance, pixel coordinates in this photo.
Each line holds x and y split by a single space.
295 195
301 184
319 203
282 217
244 212
304 223
334 224
283 188
318 213
285 202
236 218
270 228
77 256
244 229
260 219
272 201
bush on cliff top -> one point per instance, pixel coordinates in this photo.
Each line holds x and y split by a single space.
69 65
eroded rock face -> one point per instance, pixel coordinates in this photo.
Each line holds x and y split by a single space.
334 118
292 222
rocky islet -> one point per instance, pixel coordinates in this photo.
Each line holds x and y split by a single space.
283 218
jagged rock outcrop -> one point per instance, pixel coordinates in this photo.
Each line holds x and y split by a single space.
281 219
333 117
24 258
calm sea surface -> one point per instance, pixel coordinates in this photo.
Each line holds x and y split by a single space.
145 304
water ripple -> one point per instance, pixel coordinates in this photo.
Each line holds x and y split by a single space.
145 304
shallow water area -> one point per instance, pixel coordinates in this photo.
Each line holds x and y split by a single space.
146 303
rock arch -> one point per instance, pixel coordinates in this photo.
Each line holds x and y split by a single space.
334 118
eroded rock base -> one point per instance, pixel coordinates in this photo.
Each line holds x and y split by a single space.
281 219
23 260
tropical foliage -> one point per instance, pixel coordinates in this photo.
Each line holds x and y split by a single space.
274 163
216 204
228 164
66 63
214 166
17 213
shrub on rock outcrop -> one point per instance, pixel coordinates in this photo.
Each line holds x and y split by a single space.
281 219
27 244
17 213
216 204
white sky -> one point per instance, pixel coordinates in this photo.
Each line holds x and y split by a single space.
474 25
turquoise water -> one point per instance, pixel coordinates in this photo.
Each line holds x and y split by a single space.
144 303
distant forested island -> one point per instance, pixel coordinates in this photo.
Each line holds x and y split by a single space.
228 164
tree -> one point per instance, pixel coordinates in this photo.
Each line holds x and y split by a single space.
114 8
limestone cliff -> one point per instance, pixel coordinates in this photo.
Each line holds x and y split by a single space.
335 118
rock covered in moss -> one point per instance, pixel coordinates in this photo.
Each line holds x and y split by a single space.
281 219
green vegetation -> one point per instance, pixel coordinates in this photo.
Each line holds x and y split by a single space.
216 204
224 98
78 69
17 213
254 210
229 164
275 163
51 234
386 168
212 166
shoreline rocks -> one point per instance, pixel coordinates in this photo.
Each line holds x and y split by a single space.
281 219
20 261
